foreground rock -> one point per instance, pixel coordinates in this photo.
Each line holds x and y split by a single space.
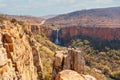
72 75
17 58
71 59
89 77
69 75
69 65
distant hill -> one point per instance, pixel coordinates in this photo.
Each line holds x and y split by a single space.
28 19
103 17
48 16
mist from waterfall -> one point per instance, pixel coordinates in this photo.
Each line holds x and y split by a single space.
57 41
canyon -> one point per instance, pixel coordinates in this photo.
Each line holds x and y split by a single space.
108 36
94 24
79 45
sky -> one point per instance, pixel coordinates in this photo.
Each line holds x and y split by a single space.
51 7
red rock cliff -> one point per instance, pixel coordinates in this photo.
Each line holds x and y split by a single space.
109 34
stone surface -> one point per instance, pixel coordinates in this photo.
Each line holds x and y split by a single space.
89 77
3 57
16 57
58 59
71 59
69 75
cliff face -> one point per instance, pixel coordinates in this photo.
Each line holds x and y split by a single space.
17 61
97 34
40 29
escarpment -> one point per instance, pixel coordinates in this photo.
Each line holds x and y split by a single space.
17 57
104 36
96 25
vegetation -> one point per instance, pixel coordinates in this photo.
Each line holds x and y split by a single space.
107 61
2 17
13 20
116 74
46 50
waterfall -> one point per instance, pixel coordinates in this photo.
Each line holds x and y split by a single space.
57 37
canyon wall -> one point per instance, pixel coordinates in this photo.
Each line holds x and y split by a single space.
19 59
108 34
104 36
41 29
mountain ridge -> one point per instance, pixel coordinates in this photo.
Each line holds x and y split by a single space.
101 17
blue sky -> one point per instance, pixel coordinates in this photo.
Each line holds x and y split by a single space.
49 7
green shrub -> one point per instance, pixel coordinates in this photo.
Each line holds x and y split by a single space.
107 70
20 23
2 17
86 42
116 74
13 20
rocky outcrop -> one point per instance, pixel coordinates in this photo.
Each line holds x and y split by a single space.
72 75
40 28
71 59
69 75
89 77
69 65
16 57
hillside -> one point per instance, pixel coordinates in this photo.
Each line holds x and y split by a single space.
103 17
27 19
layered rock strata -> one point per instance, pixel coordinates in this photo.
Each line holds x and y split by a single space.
17 61
71 59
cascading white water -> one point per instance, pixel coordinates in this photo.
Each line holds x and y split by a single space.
57 37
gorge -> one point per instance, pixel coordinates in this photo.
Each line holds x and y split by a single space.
106 37
82 45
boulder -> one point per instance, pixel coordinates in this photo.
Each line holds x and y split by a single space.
3 57
69 75
89 77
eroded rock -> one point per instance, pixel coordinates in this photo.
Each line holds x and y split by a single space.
16 58
71 59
